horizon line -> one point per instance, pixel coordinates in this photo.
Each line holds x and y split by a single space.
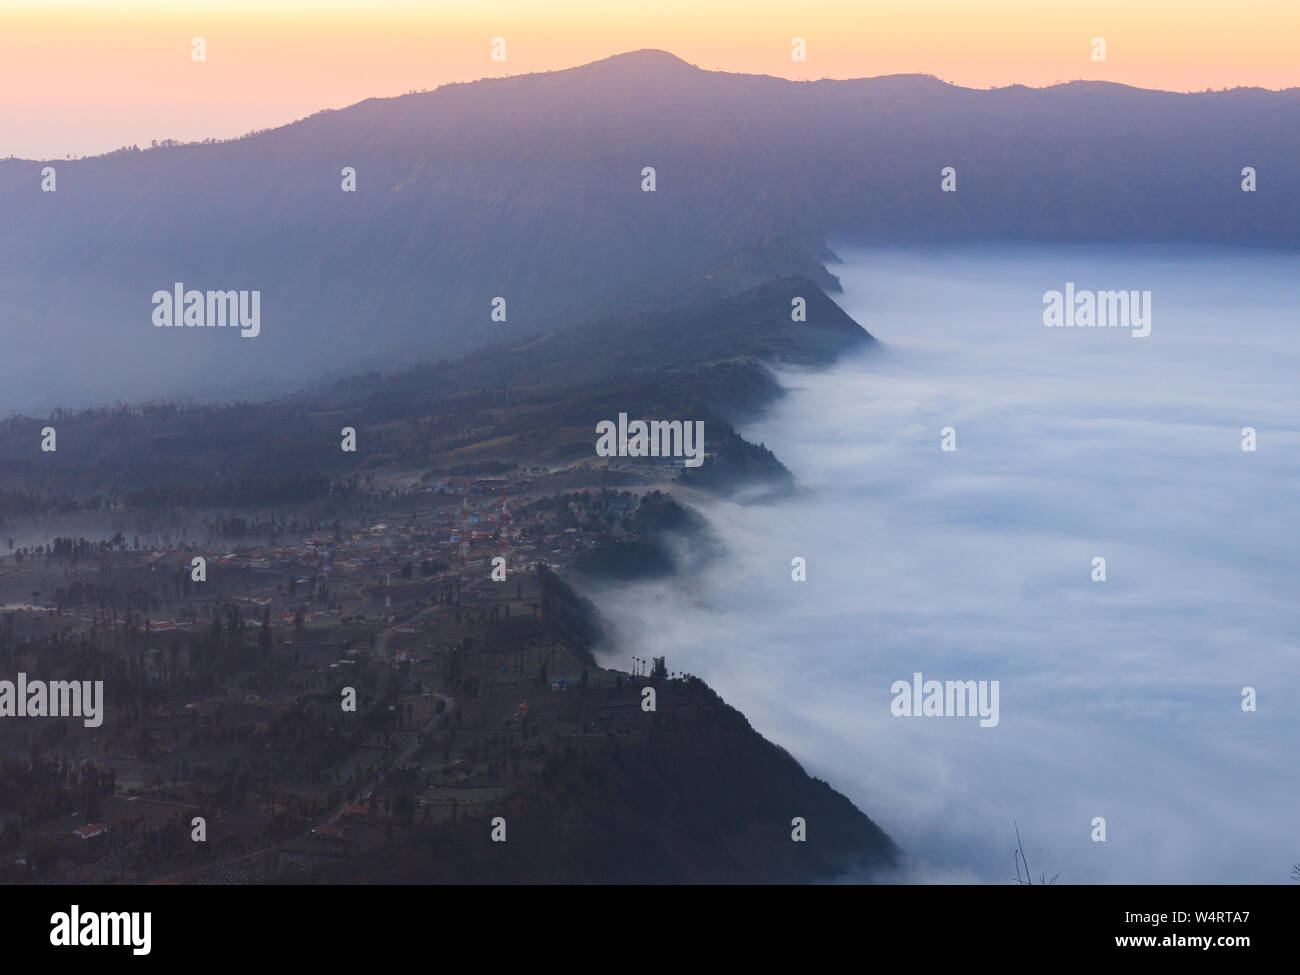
488 79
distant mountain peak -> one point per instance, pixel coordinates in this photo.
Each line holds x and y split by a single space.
646 59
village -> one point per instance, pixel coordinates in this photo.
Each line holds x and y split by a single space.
438 607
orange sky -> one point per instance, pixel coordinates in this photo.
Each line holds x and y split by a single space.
89 76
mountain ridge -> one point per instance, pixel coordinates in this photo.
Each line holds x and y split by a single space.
529 188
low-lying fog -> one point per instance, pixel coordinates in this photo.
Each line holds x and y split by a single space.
1119 699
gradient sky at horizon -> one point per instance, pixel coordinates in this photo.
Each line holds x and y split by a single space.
86 76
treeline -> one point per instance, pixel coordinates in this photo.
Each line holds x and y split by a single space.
291 488
28 504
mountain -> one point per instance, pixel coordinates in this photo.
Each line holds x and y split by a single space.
703 798
596 787
536 400
529 188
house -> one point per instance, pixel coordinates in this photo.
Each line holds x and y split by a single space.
89 831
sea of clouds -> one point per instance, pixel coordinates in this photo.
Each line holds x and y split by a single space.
1119 699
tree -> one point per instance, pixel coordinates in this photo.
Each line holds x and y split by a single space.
1028 879
264 635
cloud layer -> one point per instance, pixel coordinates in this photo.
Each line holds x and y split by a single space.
1119 699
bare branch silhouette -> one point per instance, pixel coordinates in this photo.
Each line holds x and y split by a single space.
1028 879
